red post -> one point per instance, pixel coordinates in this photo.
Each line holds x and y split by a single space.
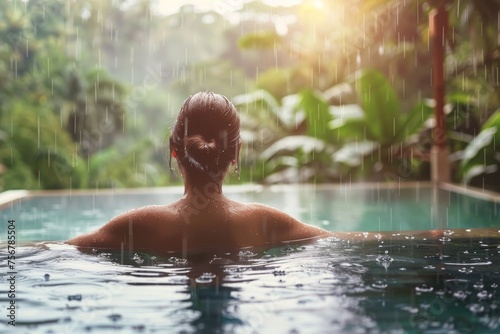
438 24
438 28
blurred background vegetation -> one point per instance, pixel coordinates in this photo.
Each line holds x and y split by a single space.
328 91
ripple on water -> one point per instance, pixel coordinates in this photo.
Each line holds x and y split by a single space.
149 273
476 308
380 284
329 281
205 278
460 295
424 288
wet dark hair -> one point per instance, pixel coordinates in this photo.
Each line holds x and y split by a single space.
206 135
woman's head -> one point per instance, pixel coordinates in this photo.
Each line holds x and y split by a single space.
206 135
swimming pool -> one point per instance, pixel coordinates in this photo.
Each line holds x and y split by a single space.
406 280
350 207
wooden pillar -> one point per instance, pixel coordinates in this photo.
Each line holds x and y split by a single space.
438 24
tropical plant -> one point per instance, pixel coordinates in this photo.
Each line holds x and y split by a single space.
378 139
367 136
480 163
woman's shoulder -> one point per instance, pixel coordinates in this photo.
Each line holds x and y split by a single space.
138 227
265 211
277 223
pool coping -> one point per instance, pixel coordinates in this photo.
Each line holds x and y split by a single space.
10 196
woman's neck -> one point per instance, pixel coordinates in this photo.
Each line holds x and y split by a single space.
202 190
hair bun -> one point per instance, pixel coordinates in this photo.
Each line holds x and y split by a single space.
200 152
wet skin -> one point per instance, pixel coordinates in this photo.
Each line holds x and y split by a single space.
195 223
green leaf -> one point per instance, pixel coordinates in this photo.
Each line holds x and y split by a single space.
317 115
480 155
475 153
379 103
291 144
349 129
479 170
259 96
493 121
413 121
352 154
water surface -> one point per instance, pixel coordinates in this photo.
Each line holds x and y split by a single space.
368 284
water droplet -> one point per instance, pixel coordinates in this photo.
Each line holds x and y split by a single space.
114 317
460 295
483 294
279 273
478 285
287 249
178 261
205 278
410 309
379 284
137 259
440 292
476 308
246 254
385 260
75 297
447 233
424 288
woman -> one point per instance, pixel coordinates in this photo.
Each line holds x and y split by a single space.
205 141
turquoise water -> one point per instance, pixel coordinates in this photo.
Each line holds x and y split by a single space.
334 209
415 285
365 282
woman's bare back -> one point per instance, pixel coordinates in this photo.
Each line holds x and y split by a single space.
188 226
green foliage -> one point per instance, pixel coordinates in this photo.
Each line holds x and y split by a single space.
481 157
380 106
259 40
317 115
35 142
303 120
376 136
110 168
289 136
313 140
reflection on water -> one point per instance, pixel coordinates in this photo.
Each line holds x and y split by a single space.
371 284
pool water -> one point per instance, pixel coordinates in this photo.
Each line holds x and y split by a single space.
408 280
60 217
369 283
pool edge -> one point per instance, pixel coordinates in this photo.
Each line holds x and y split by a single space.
11 196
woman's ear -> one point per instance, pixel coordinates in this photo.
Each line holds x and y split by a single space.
174 155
